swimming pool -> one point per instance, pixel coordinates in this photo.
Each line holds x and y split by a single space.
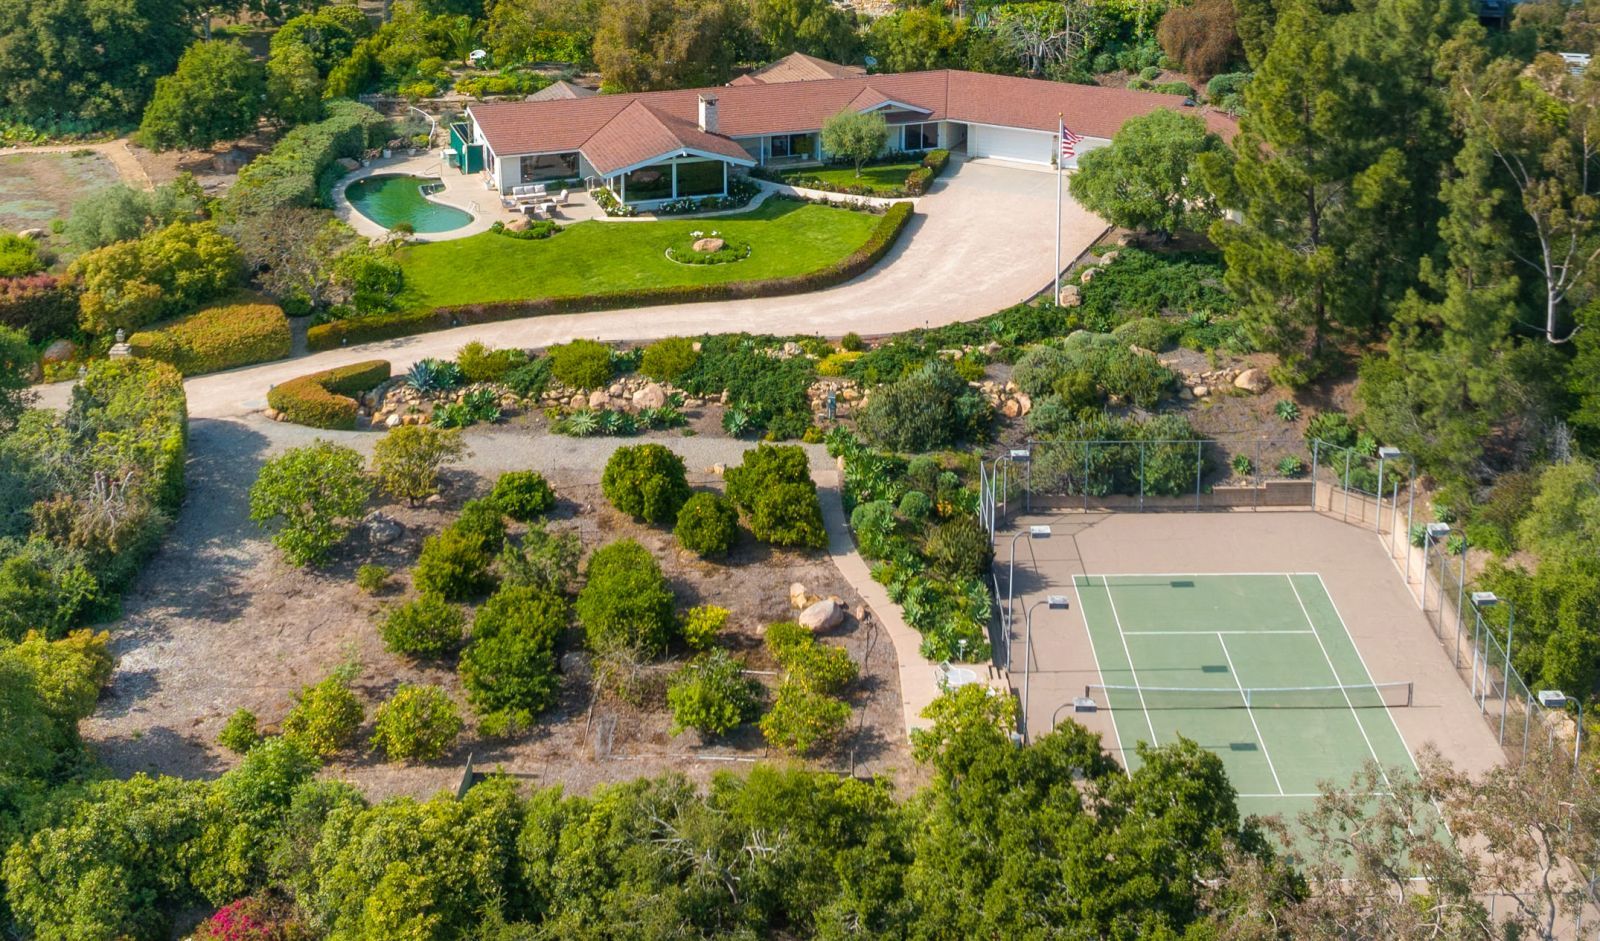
390 199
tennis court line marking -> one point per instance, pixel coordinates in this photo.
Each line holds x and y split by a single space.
1126 768
1132 671
1265 752
1202 633
1335 671
1318 794
1363 661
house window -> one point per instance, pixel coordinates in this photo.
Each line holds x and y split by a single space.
549 167
919 136
700 178
794 145
647 183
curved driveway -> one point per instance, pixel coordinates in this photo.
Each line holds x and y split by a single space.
981 241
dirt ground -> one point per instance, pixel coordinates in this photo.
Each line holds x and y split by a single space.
218 622
38 188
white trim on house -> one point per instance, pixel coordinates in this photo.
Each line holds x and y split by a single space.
677 154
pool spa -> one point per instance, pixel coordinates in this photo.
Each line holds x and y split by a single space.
390 199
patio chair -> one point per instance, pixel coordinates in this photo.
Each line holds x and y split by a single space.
561 199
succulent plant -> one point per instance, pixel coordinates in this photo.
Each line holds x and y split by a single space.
433 375
482 404
581 424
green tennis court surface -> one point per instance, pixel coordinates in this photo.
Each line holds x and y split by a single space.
1257 668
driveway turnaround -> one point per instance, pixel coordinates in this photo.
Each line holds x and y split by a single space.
982 240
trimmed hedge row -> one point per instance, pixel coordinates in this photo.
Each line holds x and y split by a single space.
294 172
918 180
370 329
217 338
323 399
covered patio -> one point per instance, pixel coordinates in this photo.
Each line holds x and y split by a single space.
663 180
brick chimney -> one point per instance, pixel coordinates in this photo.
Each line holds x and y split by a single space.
708 113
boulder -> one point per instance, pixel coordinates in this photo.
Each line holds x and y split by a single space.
797 595
348 164
392 421
381 529
1140 351
1253 381
1109 257
519 225
824 615
599 399
1088 275
59 351
709 245
36 235
1201 392
578 401
231 160
651 396
791 349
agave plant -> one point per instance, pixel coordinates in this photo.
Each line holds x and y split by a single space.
737 422
663 417
616 423
452 415
581 424
433 375
482 404
1287 409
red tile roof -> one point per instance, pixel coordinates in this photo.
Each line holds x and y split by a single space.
670 118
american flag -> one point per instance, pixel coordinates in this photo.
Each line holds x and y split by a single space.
1069 142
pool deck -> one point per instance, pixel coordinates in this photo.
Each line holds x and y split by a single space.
461 191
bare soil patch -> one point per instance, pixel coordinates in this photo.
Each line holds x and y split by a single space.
38 188
219 622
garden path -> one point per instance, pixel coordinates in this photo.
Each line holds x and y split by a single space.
982 240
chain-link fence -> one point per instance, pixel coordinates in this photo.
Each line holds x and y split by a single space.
1157 474
1475 633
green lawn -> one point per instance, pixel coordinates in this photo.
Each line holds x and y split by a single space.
883 176
786 238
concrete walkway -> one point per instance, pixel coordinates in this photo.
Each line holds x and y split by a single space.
982 240
918 684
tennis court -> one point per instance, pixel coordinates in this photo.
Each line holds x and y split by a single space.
1258 668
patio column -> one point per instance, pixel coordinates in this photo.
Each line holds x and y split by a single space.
674 179
724 178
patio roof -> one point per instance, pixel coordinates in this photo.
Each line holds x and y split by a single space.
640 135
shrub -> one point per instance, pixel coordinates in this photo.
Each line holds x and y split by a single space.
483 363
389 326
418 723
453 565
789 515
930 408
1333 428
323 399
1226 91
523 495
1146 332
647 482
543 559
1146 284
711 695
581 364
509 670
820 667
803 721
19 257
915 505
428 627
852 343
325 716
1287 409
764 467
1291 466
253 919
666 360
1242 465
626 603
371 578
960 546
129 284
707 525
217 338
407 460
784 636
42 306
482 521
701 625
530 379
314 493
239 733
299 170
874 525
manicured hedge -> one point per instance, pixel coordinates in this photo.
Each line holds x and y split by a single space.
369 329
216 338
933 164
43 306
323 399
297 171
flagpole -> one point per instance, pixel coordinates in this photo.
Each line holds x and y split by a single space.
1061 132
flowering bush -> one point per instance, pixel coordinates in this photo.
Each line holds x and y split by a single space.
252 919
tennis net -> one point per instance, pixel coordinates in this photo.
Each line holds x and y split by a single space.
1359 696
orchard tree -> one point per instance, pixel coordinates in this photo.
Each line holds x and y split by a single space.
543 30
646 45
1146 179
313 494
407 460
915 39
217 93
855 136
814 27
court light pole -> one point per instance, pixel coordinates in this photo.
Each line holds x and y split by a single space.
1056 603
1024 456
1488 599
1032 532
1432 533
1385 454
1556 699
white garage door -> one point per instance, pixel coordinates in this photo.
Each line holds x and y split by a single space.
1010 144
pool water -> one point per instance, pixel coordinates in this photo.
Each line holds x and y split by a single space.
391 199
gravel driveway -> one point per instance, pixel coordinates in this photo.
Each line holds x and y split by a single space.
981 241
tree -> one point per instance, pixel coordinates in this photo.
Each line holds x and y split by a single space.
326 715
1201 37
120 213
88 62
916 39
509 671
329 33
295 257
646 45
814 27
293 85
17 359
803 721
406 461
543 30
418 723
647 481
711 695
1146 179
170 271
217 93
855 136
626 605
314 493
1042 37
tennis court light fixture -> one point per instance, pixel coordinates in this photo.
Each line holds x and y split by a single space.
1032 532
1039 532
1485 599
1020 454
1438 530
1388 454
1055 603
